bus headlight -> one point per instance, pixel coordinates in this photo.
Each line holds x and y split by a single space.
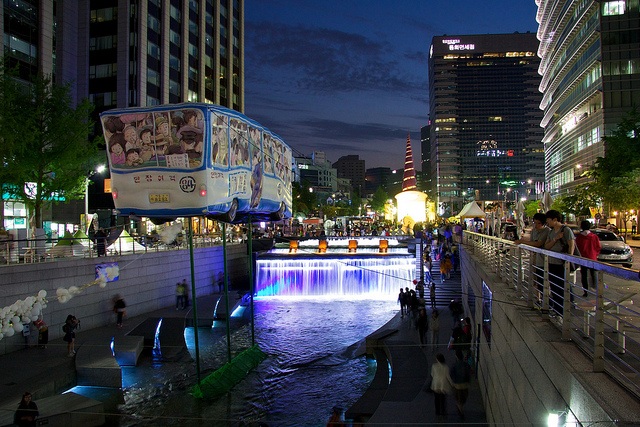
114 193
203 190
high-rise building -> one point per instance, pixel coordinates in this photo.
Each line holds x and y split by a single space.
353 168
486 140
590 67
152 52
426 174
122 53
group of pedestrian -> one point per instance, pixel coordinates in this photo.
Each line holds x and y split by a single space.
549 232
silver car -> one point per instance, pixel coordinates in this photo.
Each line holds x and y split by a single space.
614 249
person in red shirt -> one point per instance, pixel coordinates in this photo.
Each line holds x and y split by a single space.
589 246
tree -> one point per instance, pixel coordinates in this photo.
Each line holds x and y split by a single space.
379 199
622 154
303 199
49 154
531 208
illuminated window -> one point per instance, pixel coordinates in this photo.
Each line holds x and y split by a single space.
495 118
616 7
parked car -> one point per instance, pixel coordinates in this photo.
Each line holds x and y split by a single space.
614 249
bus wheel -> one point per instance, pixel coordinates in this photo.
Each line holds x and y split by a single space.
279 214
231 213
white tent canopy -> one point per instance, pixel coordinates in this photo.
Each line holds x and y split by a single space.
471 210
125 243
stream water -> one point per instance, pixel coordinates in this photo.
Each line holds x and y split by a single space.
311 367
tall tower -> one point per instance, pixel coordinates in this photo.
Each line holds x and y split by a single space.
485 118
409 176
411 203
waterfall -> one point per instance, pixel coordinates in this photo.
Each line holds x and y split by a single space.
340 275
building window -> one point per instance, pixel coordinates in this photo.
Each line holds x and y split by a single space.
153 77
174 87
100 43
174 37
104 15
175 14
610 8
153 50
174 63
103 70
153 23
152 101
192 96
193 50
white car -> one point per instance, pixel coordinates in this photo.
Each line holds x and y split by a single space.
614 249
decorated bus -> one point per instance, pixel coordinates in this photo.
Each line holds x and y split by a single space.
194 159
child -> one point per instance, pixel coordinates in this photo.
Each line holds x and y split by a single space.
116 148
133 158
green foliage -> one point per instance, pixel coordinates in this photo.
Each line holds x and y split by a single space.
531 207
379 199
613 175
579 201
47 142
303 200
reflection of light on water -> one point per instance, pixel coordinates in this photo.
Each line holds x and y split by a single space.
112 345
238 312
157 351
311 342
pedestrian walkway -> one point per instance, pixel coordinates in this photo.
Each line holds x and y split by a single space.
409 400
46 372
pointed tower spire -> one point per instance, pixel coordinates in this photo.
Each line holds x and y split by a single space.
409 177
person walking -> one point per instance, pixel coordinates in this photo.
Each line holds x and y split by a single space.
402 299
435 330
460 376
119 307
422 325
589 246
101 242
440 384
180 294
432 294
69 329
27 412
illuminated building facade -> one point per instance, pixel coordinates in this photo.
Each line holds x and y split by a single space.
485 135
590 67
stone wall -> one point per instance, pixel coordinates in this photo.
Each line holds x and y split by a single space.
147 283
528 370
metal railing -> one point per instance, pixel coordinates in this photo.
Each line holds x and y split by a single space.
604 324
47 250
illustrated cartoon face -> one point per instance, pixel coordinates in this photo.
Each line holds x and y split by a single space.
133 156
131 135
146 138
164 129
116 149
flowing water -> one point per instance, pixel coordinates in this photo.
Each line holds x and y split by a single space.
311 367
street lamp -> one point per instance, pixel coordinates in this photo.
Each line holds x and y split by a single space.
99 169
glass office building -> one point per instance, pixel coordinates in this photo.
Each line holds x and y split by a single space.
590 68
485 135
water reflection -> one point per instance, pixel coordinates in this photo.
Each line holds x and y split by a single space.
311 367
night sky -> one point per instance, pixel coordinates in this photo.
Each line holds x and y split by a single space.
351 76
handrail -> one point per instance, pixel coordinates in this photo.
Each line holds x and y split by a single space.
605 324
46 250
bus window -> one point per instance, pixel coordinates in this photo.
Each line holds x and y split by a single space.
239 143
220 141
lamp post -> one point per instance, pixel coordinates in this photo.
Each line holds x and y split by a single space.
99 169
